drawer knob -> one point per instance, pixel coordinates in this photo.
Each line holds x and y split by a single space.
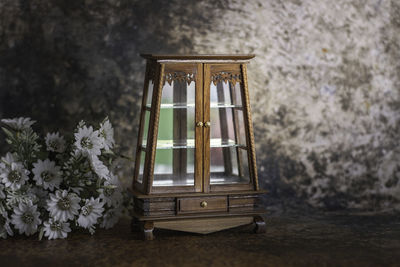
203 204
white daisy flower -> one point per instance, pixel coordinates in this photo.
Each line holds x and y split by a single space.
24 194
18 124
5 228
111 217
26 218
98 167
88 141
107 134
54 229
63 206
90 212
14 176
111 191
7 160
47 174
55 142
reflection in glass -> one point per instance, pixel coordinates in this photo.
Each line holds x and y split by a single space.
141 168
150 93
146 127
225 93
169 172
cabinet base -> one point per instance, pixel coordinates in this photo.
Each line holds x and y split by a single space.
199 225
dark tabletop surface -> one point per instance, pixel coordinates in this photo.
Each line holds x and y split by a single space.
290 240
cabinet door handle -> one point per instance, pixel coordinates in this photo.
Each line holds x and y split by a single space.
203 204
207 124
199 124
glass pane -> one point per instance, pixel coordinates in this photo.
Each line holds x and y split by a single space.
145 128
225 94
171 170
228 146
229 165
178 94
141 168
227 127
175 153
145 131
150 93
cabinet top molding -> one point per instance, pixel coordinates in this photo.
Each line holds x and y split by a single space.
198 56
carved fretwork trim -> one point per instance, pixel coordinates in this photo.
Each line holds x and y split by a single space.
180 77
226 76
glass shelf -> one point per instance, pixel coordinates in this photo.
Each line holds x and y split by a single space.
223 178
186 105
224 105
190 143
173 179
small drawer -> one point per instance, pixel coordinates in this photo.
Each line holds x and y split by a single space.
202 204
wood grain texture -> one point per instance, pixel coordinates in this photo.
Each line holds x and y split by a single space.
224 67
232 214
194 56
193 205
166 206
199 149
140 195
206 118
204 226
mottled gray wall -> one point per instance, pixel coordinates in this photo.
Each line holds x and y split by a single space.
324 86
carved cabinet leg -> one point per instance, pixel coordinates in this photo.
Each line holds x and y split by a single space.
259 225
148 228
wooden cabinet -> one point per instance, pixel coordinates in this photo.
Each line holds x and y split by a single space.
195 152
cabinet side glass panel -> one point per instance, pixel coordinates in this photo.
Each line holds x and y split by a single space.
228 161
141 167
175 151
145 130
150 93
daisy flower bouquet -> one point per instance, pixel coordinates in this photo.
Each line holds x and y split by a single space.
57 185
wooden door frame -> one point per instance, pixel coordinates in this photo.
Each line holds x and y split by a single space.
154 124
209 68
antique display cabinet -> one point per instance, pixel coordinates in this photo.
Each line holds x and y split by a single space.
195 165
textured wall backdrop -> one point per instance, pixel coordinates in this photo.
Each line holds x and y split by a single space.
324 85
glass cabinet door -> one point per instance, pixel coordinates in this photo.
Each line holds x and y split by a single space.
175 152
227 144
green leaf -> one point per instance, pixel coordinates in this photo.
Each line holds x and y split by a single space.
7 132
41 233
